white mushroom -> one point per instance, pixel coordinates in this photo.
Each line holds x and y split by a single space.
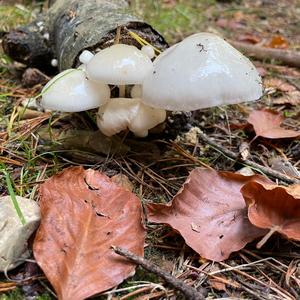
71 91
119 64
85 56
122 113
201 71
148 50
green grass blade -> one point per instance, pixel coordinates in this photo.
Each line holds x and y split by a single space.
13 198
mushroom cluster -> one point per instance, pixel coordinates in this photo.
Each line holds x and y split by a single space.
201 71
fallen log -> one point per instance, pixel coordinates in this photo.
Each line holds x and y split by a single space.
287 57
71 26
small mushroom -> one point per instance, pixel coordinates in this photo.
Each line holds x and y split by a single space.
71 91
148 50
85 56
122 113
120 65
201 71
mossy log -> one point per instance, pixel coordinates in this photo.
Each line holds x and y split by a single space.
70 26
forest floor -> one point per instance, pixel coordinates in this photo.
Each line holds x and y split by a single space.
163 161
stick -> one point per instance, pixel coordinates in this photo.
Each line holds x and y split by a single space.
188 291
250 163
288 57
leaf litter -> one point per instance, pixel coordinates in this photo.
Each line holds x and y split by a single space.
273 271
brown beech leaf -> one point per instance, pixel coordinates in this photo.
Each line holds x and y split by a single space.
278 42
274 207
83 214
266 123
279 85
249 38
291 98
210 213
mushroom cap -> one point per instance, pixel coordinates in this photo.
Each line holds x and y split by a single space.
71 91
85 56
148 50
119 64
201 71
121 113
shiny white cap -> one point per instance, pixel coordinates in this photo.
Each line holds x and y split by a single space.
201 71
85 56
71 91
119 64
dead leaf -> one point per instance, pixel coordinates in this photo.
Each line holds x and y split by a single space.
83 214
279 85
274 207
123 181
249 38
266 123
210 213
278 42
283 165
262 71
229 24
292 98
217 284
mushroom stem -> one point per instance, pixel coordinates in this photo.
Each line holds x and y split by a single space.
122 91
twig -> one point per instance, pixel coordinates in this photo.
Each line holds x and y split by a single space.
250 163
288 57
188 291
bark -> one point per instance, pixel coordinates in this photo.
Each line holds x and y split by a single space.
70 26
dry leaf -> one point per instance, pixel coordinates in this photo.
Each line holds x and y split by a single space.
266 123
83 214
278 42
274 207
123 181
279 85
292 98
210 213
283 165
217 284
249 38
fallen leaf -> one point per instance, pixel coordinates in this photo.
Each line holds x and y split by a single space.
123 181
229 24
283 165
279 85
292 98
218 284
83 214
266 123
14 235
262 71
278 42
210 213
274 207
249 38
